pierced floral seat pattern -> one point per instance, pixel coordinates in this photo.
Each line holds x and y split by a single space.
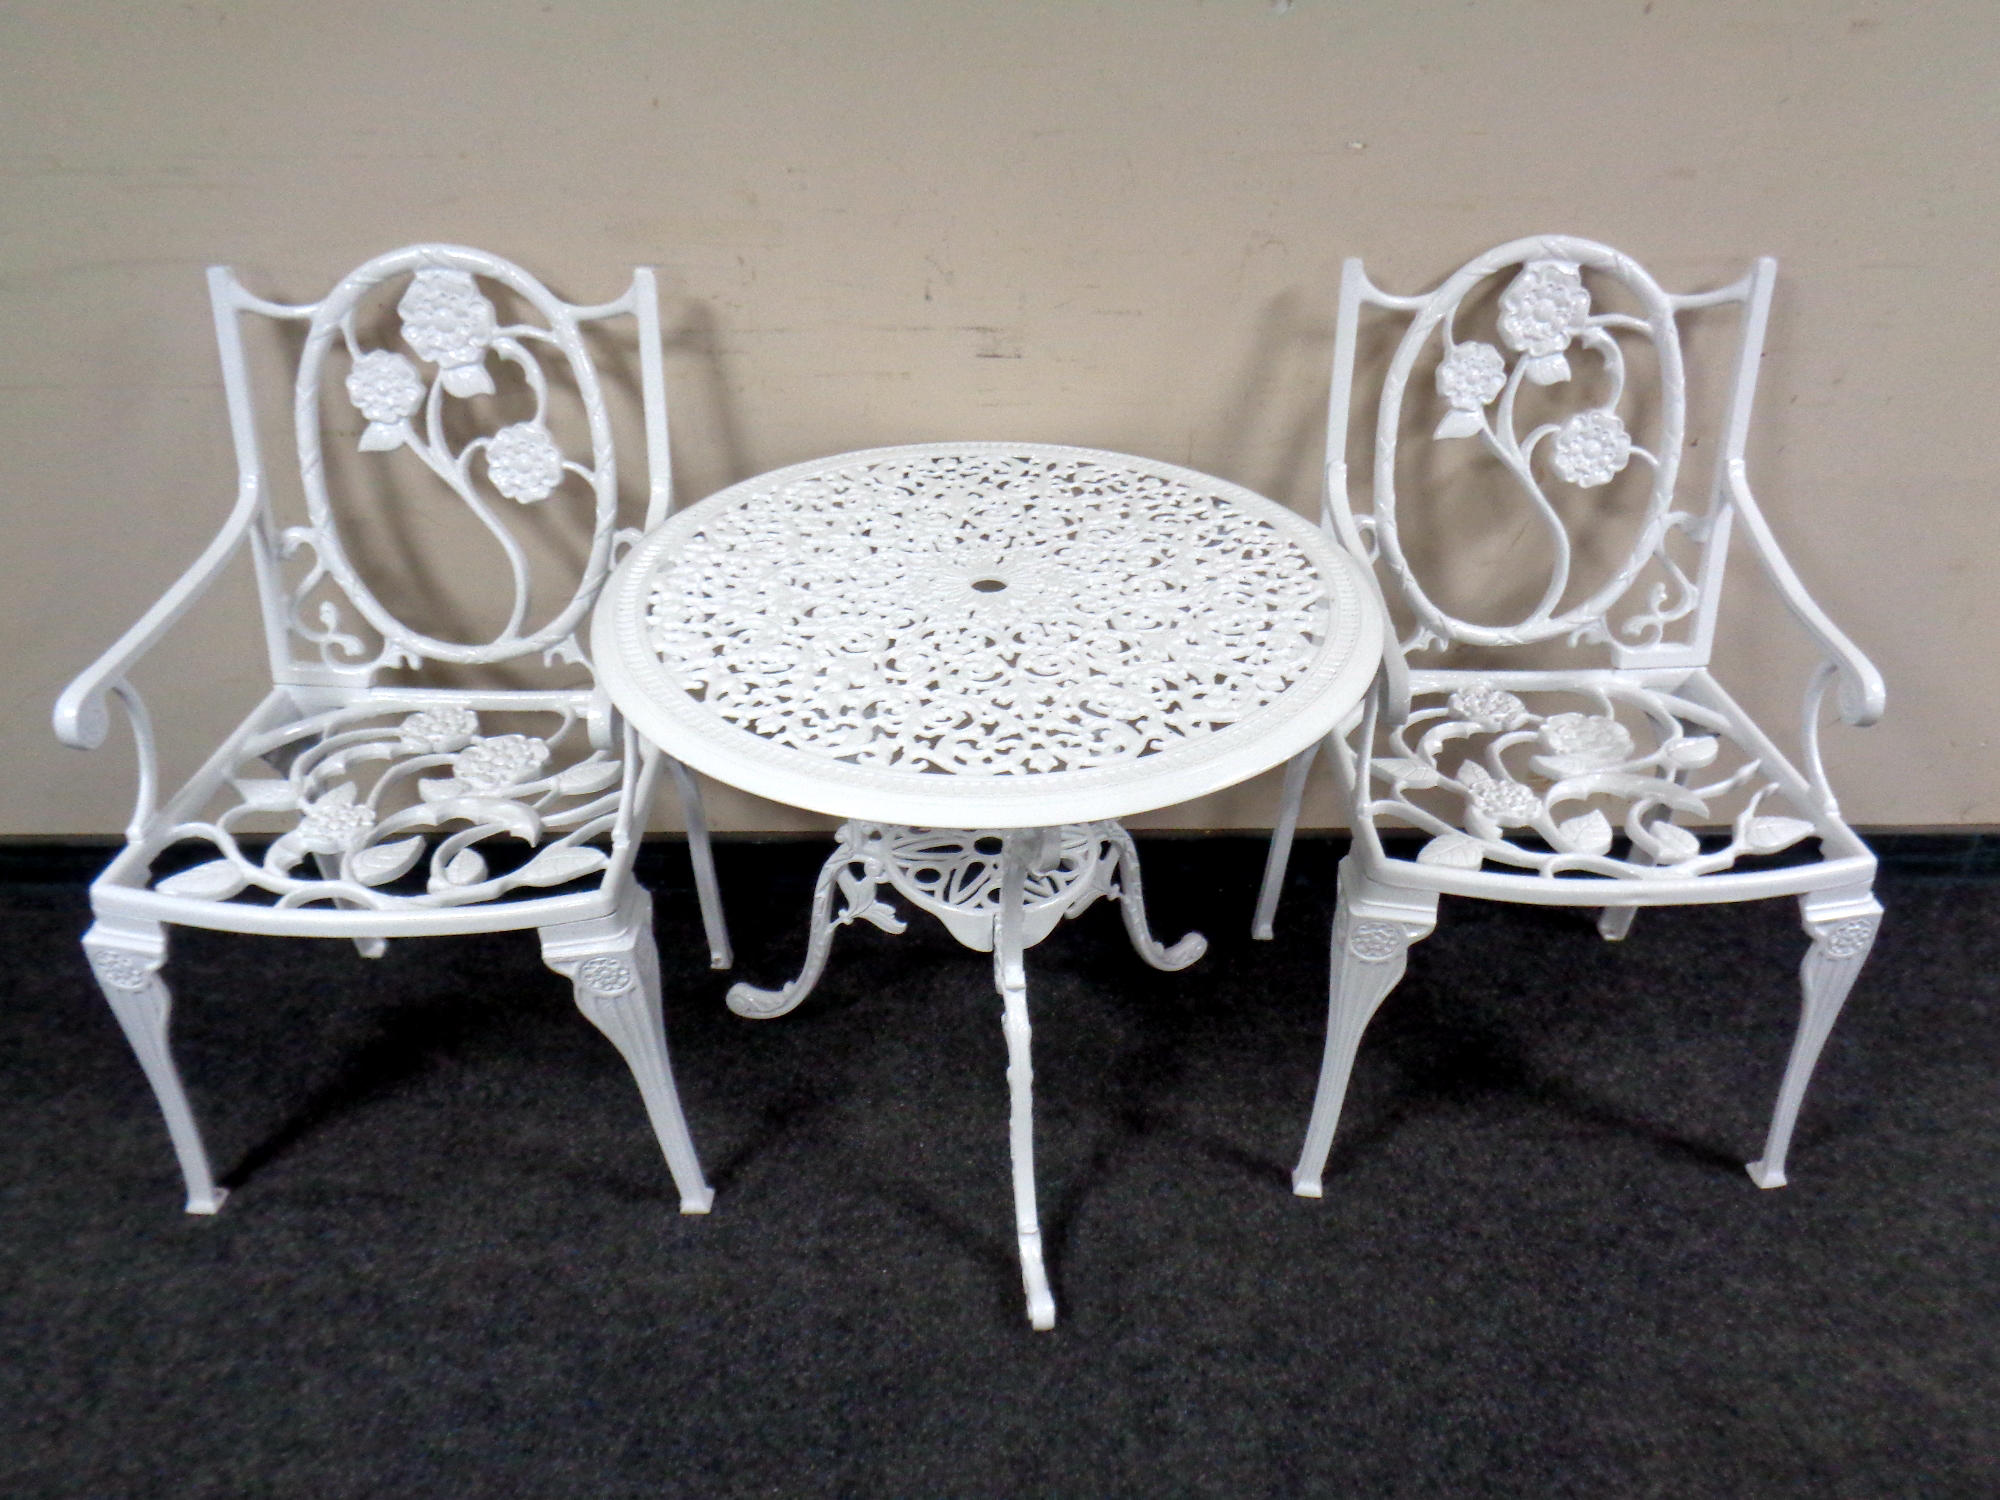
1548 719
399 808
347 806
1548 781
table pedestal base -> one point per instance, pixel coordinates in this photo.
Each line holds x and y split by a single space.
995 890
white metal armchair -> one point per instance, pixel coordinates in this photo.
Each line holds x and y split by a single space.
1582 754
402 811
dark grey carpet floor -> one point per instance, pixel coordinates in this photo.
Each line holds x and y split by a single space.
452 1265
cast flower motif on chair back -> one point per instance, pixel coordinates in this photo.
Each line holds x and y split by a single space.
1560 739
414 382
1555 416
1553 348
397 797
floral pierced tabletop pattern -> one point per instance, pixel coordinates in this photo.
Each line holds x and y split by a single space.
988 616
1004 613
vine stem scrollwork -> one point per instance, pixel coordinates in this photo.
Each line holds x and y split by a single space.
451 331
436 786
1545 313
1490 778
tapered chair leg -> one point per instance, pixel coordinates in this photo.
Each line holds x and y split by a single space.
1279 855
126 957
615 968
1614 923
707 891
1841 940
1373 927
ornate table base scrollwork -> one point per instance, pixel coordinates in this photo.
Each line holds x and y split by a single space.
995 890
978 654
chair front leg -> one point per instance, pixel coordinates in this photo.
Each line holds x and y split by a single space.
1279 855
615 968
126 958
1842 935
1373 928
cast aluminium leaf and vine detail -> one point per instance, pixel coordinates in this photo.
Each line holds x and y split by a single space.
986 635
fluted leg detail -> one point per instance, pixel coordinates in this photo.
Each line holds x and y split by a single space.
615 968
127 959
707 891
1841 940
1373 927
1132 903
1279 855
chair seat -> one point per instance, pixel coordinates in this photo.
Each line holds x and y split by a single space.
1577 784
385 803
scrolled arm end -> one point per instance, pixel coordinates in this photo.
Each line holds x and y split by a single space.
1859 691
82 718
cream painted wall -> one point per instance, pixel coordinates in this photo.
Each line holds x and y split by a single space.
1110 224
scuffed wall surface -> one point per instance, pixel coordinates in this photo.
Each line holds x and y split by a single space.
1117 225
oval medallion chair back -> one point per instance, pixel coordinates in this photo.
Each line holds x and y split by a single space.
355 801
1548 726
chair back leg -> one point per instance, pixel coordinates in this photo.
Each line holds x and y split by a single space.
126 958
329 869
1614 923
1279 855
708 892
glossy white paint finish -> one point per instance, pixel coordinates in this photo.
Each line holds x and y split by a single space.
399 811
1522 777
981 655
766 634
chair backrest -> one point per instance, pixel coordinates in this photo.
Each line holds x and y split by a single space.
454 406
1556 387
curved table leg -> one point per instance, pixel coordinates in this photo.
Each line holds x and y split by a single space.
1022 849
858 894
1132 901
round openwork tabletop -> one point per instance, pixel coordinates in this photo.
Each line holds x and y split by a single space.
985 635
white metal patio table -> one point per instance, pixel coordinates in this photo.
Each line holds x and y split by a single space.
981 655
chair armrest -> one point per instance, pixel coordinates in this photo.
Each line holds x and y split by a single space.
1861 693
82 718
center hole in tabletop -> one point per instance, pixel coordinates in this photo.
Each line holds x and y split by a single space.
989 585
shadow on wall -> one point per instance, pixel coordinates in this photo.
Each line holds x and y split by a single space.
1270 434
419 548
